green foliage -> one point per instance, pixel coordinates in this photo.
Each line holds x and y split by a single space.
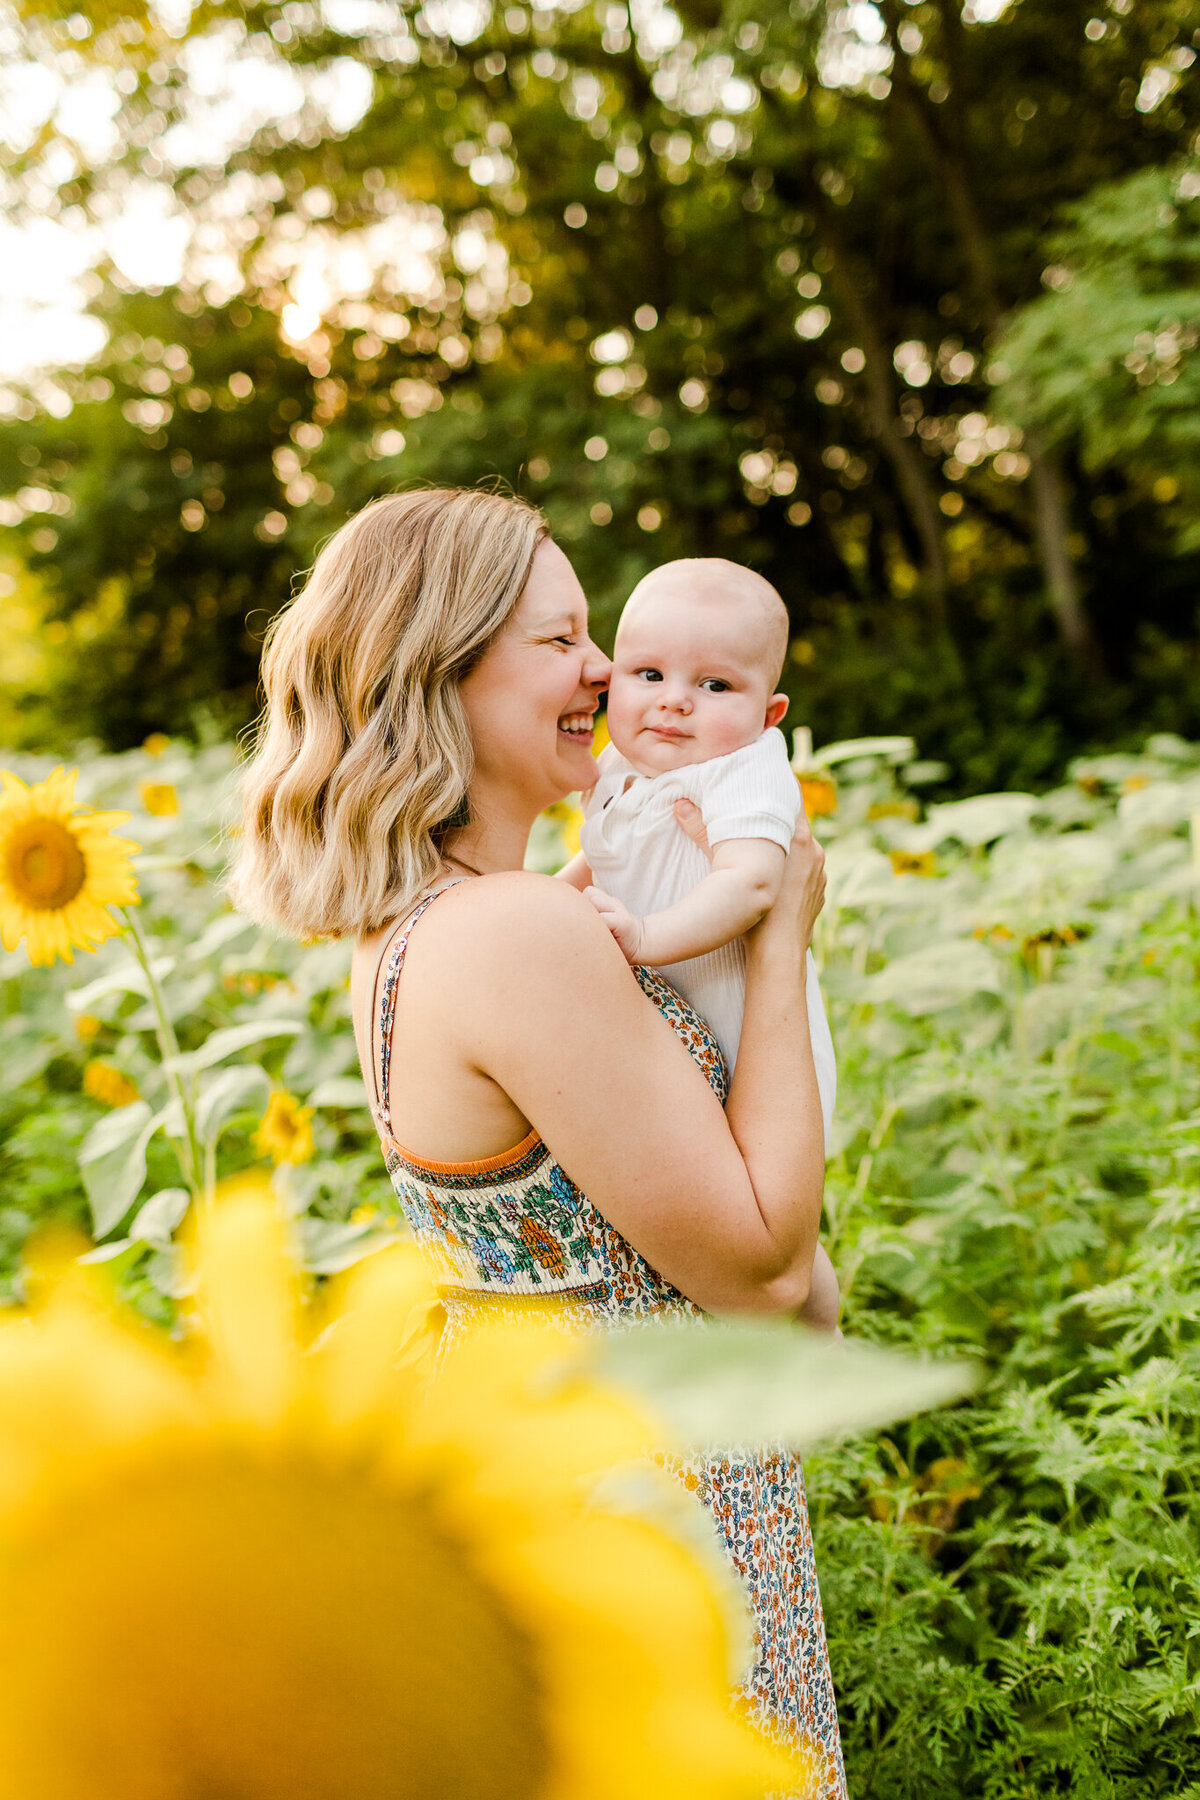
1106 360
1010 1585
250 1011
697 282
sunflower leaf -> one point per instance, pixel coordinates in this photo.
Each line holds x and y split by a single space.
230 1040
328 1246
223 1095
751 1381
161 1214
127 978
112 1162
340 1090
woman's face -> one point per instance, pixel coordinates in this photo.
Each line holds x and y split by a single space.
531 699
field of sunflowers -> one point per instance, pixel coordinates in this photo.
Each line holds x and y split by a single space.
1011 1584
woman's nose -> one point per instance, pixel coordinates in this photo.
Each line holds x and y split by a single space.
597 669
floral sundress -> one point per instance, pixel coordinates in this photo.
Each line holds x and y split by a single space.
515 1226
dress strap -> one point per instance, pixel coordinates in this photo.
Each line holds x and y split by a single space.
385 1001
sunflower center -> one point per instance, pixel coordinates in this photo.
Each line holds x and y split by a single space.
45 864
288 1633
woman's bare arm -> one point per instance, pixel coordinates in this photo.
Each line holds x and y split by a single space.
540 1000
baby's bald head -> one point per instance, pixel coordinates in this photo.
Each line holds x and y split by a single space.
699 650
737 596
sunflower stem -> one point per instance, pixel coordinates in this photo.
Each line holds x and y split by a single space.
186 1149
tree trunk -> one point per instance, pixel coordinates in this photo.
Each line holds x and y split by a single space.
945 152
1074 627
883 415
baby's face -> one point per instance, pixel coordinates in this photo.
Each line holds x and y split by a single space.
691 679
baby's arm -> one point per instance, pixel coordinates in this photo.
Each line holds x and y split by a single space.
576 872
745 879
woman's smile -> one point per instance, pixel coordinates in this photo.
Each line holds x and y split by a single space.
578 728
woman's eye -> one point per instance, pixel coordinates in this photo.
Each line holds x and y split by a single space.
568 641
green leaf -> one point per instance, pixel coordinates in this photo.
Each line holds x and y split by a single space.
231 1039
223 1095
160 1217
109 1252
329 1246
113 1130
893 749
112 1162
982 818
755 1381
340 1090
225 929
127 978
930 980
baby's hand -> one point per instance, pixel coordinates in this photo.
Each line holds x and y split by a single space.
620 921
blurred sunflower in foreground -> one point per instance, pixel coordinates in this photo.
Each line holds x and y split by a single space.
300 1563
60 869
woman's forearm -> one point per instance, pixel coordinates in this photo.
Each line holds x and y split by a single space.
774 1107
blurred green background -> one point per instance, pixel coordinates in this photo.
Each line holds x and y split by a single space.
895 302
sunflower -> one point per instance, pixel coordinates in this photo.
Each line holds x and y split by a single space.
913 862
284 1132
159 798
819 793
108 1085
60 869
274 1563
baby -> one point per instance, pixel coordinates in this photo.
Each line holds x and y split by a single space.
692 715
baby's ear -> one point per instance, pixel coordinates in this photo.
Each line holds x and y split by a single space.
777 705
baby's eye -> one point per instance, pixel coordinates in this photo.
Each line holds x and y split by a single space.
649 674
715 685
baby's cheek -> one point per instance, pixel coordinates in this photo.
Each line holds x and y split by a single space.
625 696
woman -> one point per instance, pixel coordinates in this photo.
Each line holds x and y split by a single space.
429 693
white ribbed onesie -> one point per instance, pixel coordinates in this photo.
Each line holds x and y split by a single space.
638 854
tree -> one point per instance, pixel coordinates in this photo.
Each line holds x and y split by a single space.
699 282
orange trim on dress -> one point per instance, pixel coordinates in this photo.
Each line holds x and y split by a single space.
486 1166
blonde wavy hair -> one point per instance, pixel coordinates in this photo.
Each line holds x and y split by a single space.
362 758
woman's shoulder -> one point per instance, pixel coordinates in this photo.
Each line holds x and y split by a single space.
516 914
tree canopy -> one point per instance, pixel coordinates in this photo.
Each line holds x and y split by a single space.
895 302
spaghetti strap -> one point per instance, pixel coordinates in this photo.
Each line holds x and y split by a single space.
380 1039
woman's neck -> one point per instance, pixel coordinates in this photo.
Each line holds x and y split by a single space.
497 837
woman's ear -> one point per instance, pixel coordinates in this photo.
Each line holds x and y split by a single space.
777 705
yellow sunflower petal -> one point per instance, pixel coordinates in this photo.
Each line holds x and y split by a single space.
355 1628
246 1294
61 869
379 1318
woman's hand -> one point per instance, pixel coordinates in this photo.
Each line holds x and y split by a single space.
801 891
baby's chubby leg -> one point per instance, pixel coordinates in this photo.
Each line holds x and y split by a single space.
820 1310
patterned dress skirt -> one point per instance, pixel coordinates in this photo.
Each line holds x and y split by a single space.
515 1227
